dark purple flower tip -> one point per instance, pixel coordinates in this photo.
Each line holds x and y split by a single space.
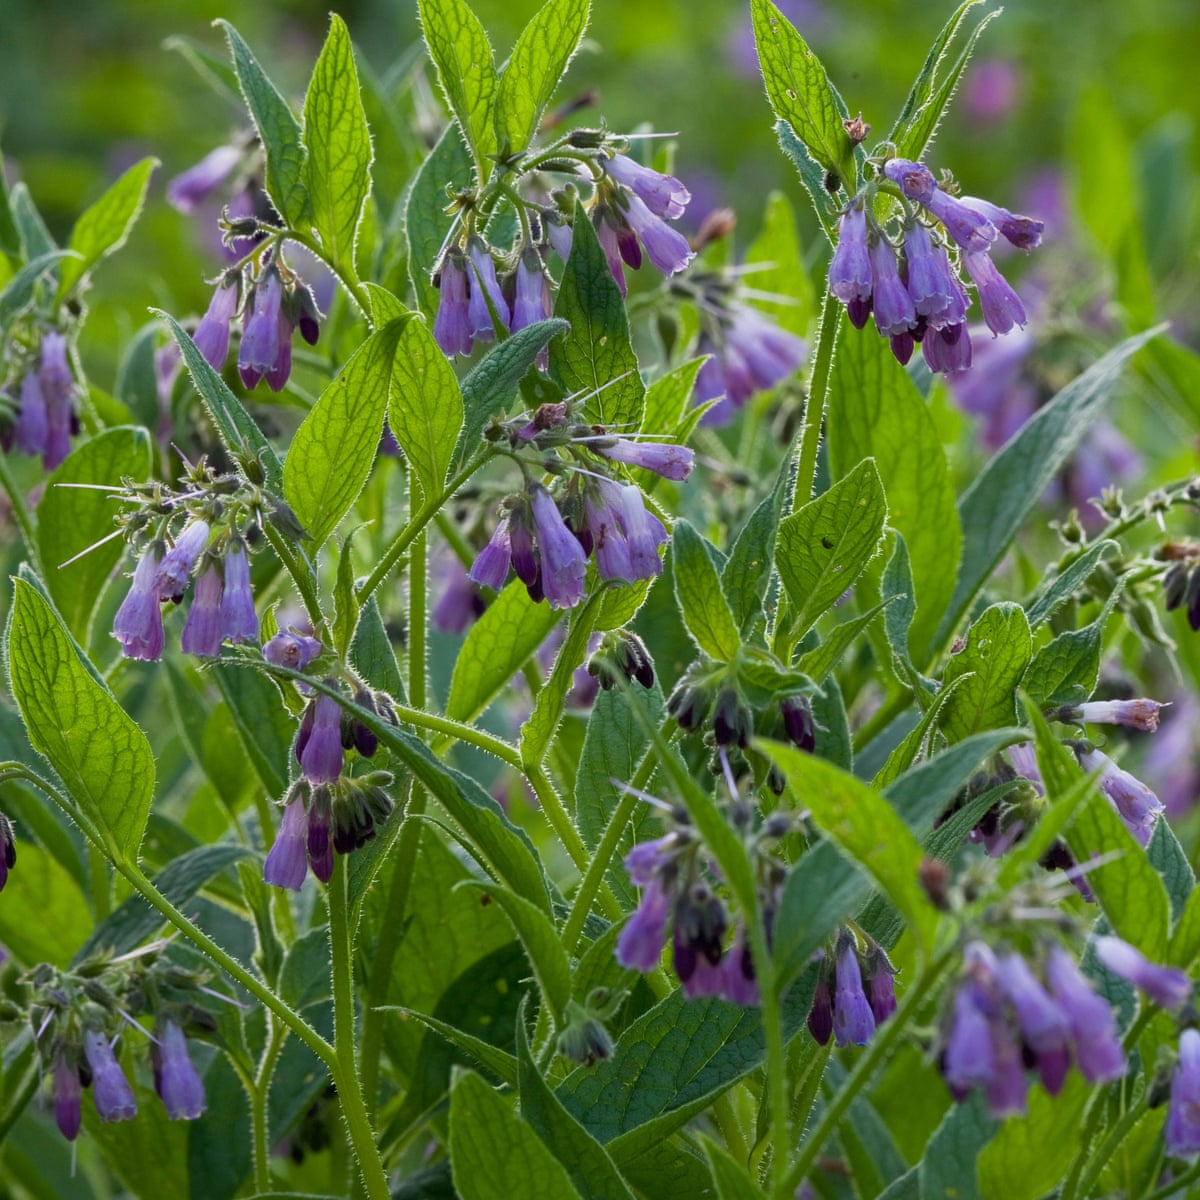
138 624
563 563
532 301
663 458
485 289
281 368
202 632
850 267
193 186
853 1020
666 248
110 1089
287 862
1002 307
31 428
308 315
1168 987
239 621
970 229
8 851
1052 1068
292 650
881 985
1135 803
1183 1115
902 345
859 312
798 723
663 195
1098 1054
640 944
176 567
1043 1024
212 334
520 538
179 1086
321 756
914 179
452 325
739 983
260 349
947 350
68 1099
894 312
1023 232
606 223
820 1016
320 841
490 568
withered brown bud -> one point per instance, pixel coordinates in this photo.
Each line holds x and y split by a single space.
856 129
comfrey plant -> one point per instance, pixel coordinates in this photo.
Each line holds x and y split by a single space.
710 784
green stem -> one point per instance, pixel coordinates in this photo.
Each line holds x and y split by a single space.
1112 1140
350 282
346 1078
101 885
259 1103
872 1057
429 509
731 1128
772 1023
21 514
418 608
1178 1186
814 413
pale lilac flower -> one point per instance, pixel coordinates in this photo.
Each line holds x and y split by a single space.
1098 1053
663 195
261 348
292 650
915 179
894 313
490 568
212 334
110 1089
1042 1022
239 621
970 229
484 287
58 392
452 325
532 301
608 233
931 282
948 349
202 632
68 1099
853 1020
1136 804
193 186
30 431
1168 987
559 234
1023 232
642 532
1002 307
562 561
771 353
138 624
321 754
666 248
175 1079
850 267
1135 714
287 862
640 943
176 567
667 459
968 1058
1183 1115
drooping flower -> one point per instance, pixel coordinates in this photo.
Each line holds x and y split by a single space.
881 985
202 632
1168 987
1135 803
662 194
1098 1053
1023 232
1044 1027
563 564
176 567
263 350
8 850
110 1089
320 840
1134 714
665 247
452 325
893 307
58 392
30 431
239 621
212 334
287 861
485 296
68 1098
138 624
641 941
947 350
1002 307
293 650
850 268
853 1020
175 1079
320 754
490 568
1183 1113
192 187
667 459
532 300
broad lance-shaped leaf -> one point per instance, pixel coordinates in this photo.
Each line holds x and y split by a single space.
96 748
17 292
495 1155
824 546
332 452
337 168
462 54
426 408
1065 670
866 827
597 357
278 130
538 61
800 91
104 226
995 657
698 591
993 507
70 519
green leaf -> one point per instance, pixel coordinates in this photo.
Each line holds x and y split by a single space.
18 291
995 657
589 1165
1065 670
70 519
1185 937
865 826
494 1154
332 452
1064 584
597 357
44 917
538 61
36 239
733 1181
817 664
72 719
935 84
542 946
499 1062
824 546
372 652
337 144
492 383
499 643
705 610
993 507
278 129
236 427
1168 858
919 739
947 1170
462 54
264 726
426 409
800 92
104 226
747 571
781 269
875 411
426 223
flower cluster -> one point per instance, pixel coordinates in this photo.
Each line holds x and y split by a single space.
920 297
546 540
46 405
484 290
222 515
326 811
851 1011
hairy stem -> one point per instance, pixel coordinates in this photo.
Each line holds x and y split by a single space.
814 412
